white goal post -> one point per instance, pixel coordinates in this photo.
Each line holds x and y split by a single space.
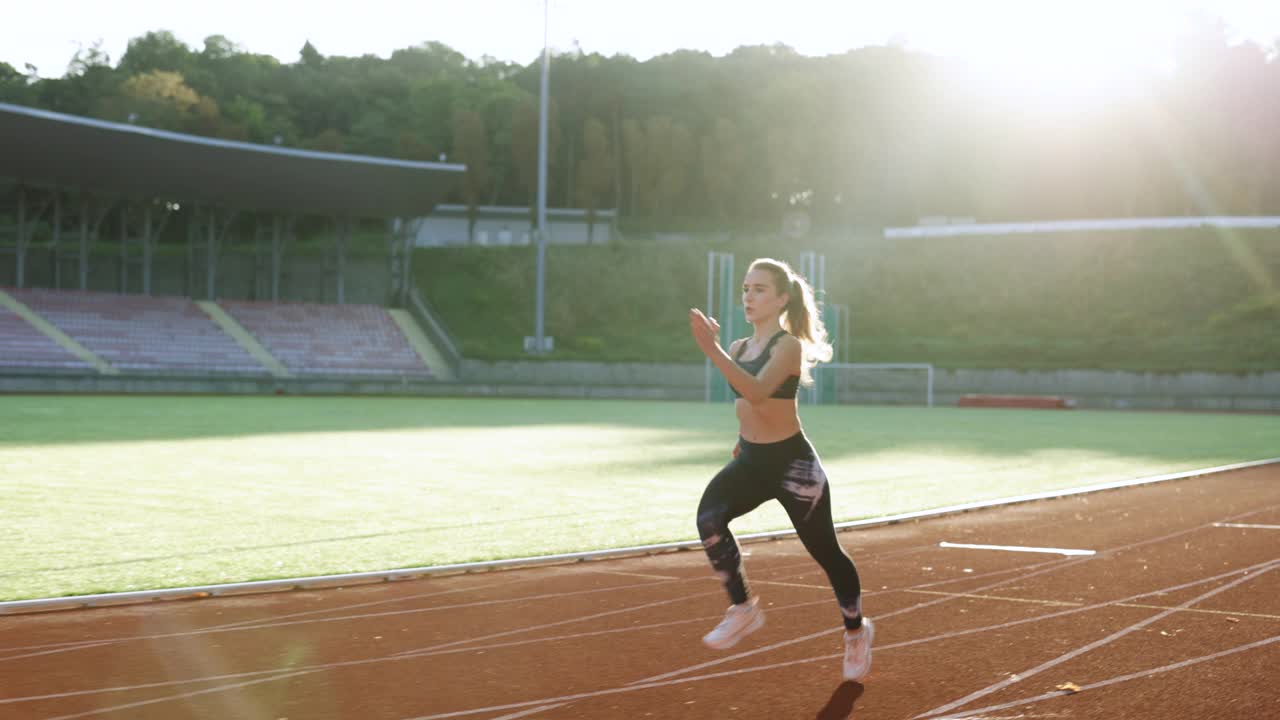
900 383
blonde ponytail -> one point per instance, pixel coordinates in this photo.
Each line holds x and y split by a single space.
801 317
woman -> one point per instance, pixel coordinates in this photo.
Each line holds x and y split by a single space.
773 458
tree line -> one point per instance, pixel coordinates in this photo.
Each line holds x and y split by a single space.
876 136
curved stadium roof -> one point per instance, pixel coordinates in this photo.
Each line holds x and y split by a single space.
46 149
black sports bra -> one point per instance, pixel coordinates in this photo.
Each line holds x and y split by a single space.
787 390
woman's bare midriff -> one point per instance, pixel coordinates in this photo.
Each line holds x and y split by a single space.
771 421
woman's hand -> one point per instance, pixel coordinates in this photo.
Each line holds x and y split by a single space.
706 331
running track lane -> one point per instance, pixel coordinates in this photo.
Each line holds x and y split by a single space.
1175 616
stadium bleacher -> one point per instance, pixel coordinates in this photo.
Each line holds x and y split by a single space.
157 335
336 340
24 347
139 333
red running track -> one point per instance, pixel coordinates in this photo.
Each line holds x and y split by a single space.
1177 615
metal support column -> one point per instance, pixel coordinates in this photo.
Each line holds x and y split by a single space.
277 252
399 255
124 249
141 238
21 249
813 266
84 242
56 241
148 250
721 282
340 243
211 258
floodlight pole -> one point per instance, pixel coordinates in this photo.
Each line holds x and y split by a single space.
540 302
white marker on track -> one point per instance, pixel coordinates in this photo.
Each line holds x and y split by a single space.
1247 525
1017 548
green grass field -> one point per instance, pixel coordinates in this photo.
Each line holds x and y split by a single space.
125 493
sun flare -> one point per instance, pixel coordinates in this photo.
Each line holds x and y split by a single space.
1057 52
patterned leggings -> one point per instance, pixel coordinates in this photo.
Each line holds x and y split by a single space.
789 472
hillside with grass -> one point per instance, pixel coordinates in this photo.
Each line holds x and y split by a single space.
1163 301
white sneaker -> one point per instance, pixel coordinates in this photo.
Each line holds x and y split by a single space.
739 621
857 651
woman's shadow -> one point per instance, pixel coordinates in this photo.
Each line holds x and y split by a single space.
840 706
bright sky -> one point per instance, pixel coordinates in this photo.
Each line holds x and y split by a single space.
1064 37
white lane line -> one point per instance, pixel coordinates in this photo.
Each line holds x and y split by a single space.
281 672
445 650
1054 563
634 574
545 704
255 623
787 584
1059 603
1247 525
206 691
637 684
527 713
1033 601
264 625
273 621
1018 548
1203 611
1073 611
557 623
1046 567
1019 677
617 690
1119 679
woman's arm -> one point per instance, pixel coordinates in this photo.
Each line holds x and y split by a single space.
784 361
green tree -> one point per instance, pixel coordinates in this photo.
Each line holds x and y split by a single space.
309 56
13 85
329 140
524 149
158 50
874 136
471 147
595 171
723 164
162 99
641 165
671 149
89 77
